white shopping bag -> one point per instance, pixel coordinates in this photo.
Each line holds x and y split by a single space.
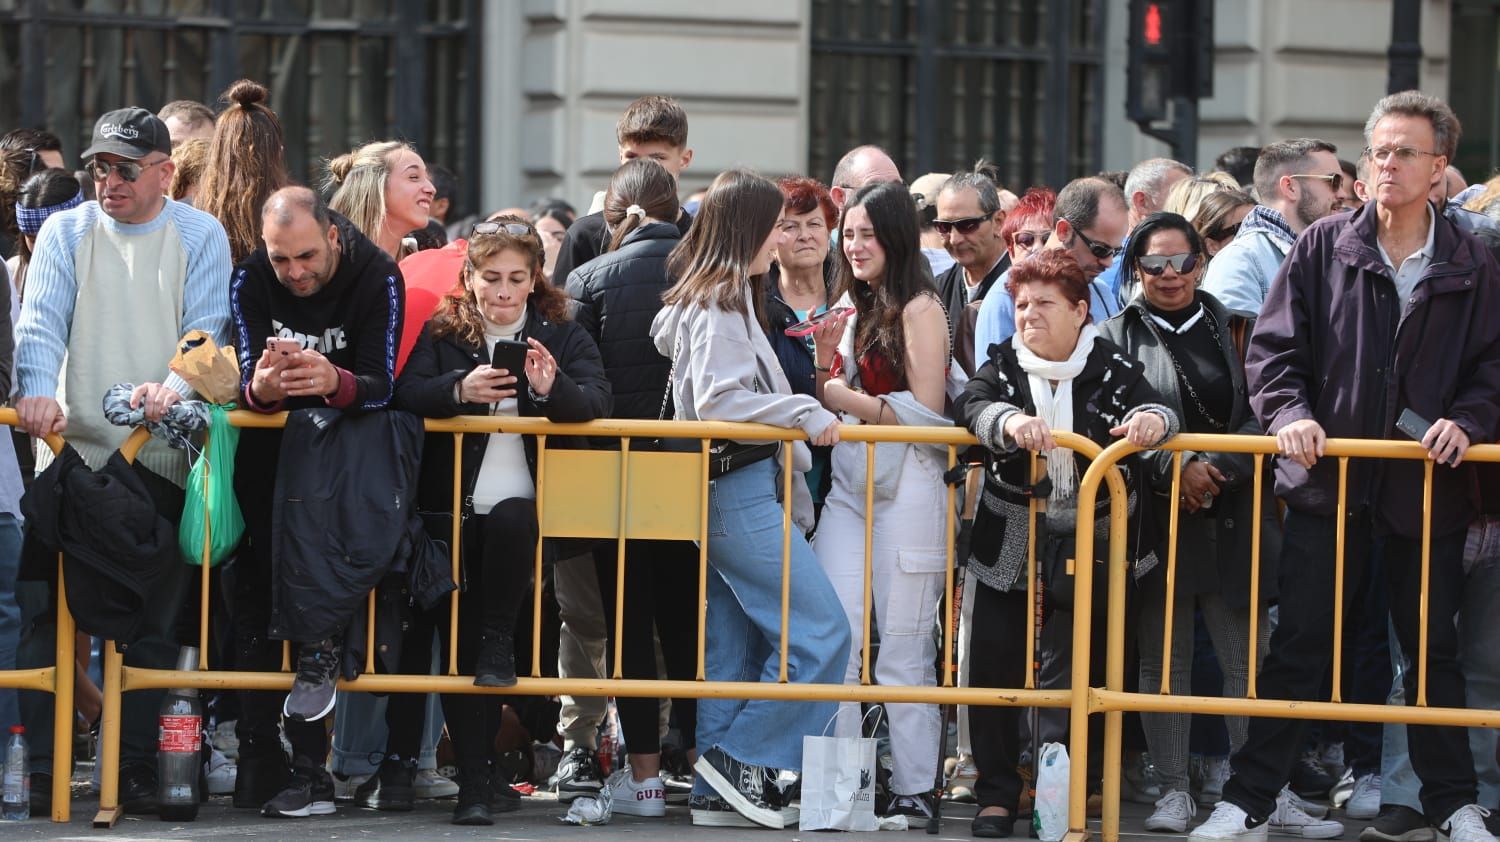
838 783
1052 793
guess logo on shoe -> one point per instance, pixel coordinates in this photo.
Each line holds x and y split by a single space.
651 795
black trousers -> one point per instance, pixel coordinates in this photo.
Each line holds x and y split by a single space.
661 590
997 629
1301 652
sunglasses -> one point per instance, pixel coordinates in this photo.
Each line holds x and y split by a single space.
1155 264
1334 180
1102 251
1030 239
1225 233
965 226
128 170
515 229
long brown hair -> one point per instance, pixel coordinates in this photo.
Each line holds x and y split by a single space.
458 314
643 183
712 263
245 166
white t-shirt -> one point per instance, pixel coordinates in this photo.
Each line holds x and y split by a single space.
503 473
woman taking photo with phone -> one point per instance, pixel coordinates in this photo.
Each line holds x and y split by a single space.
887 364
723 369
504 299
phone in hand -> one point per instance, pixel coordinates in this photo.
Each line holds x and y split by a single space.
284 347
510 354
803 328
1413 424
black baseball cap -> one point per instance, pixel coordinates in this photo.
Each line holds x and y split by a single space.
130 133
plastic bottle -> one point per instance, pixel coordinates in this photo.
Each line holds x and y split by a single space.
179 760
17 791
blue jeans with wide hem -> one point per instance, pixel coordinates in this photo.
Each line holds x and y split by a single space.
743 625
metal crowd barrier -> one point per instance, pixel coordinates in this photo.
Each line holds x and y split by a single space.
617 494
1112 700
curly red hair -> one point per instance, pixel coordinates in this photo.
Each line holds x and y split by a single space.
804 195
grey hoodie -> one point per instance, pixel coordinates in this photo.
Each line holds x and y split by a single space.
725 370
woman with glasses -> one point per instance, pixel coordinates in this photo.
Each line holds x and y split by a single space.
887 363
1055 373
502 298
1184 338
723 369
1218 218
1025 233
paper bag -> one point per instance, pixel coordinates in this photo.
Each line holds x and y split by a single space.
838 783
213 372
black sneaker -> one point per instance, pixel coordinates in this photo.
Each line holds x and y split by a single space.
390 788
41 794
741 784
261 773
1310 779
138 789
917 808
578 774
474 801
315 686
993 827
308 793
496 664
506 799
1397 823
712 811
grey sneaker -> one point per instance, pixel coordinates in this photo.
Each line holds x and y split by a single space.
315 687
578 774
1397 823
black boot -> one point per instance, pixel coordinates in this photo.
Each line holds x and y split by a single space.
263 771
496 664
474 797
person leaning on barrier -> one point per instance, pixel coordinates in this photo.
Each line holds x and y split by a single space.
1185 339
1055 373
1386 309
725 370
889 367
504 298
318 284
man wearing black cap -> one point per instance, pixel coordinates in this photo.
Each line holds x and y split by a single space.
112 285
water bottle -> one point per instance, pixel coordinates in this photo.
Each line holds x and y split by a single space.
17 797
179 744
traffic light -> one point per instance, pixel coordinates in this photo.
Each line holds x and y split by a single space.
1171 54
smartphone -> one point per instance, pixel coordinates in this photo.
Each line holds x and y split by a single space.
285 347
510 355
1413 424
805 327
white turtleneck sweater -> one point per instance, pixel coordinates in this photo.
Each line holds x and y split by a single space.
503 473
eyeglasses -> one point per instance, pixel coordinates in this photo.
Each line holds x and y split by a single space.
128 170
1226 233
1155 264
515 229
1404 154
1030 239
965 226
1334 180
1102 251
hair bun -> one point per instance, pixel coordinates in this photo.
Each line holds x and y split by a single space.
246 92
338 168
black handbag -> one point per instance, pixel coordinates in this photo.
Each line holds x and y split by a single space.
724 455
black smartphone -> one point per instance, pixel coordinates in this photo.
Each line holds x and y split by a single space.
1413 424
510 354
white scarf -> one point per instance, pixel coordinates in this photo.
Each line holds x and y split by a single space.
1056 407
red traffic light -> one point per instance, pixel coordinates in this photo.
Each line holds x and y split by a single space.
1153 25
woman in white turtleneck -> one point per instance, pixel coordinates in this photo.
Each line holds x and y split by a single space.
503 295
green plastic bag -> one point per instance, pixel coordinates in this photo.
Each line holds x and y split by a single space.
211 520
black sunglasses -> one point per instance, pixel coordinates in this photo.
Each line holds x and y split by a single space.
128 170
965 226
1225 233
515 229
1155 264
1099 250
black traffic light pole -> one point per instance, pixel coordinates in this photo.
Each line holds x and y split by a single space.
1405 53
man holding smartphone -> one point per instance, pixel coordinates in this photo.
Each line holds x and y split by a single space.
317 313
1389 308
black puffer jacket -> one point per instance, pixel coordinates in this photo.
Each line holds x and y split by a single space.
618 296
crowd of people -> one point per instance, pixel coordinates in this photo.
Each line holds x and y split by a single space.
1285 293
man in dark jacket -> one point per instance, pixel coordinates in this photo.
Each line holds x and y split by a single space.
317 312
969 219
1386 309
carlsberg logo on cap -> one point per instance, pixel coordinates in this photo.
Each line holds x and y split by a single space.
119 130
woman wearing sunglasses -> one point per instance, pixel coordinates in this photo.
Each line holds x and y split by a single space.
1218 217
502 298
1024 232
1184 338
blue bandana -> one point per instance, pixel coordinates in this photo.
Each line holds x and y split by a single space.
30 220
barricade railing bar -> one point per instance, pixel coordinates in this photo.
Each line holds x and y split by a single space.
1112 700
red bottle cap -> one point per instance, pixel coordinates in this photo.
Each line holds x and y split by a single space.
18 729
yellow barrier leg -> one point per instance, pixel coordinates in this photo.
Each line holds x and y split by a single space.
109 740
63 717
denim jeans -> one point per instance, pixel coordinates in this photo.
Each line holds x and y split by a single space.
10 611
1478 628
743 625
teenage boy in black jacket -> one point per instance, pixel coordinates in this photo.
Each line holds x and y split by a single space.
317 311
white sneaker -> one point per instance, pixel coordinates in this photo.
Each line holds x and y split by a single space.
427 783
345 785
1172 813
1364 803
1211 774
1228 822
220 772
223 738
1312 808
1289 819
1466 825
630 797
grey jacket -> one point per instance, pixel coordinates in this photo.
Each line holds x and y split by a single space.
1213 547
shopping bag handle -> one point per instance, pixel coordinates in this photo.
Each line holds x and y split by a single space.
880 709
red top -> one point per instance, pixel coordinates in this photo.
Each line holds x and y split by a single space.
877 376
429 274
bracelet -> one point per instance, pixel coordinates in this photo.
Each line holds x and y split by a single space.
823 368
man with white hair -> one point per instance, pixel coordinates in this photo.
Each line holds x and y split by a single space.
1146 189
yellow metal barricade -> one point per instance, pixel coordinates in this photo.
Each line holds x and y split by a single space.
1112 700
